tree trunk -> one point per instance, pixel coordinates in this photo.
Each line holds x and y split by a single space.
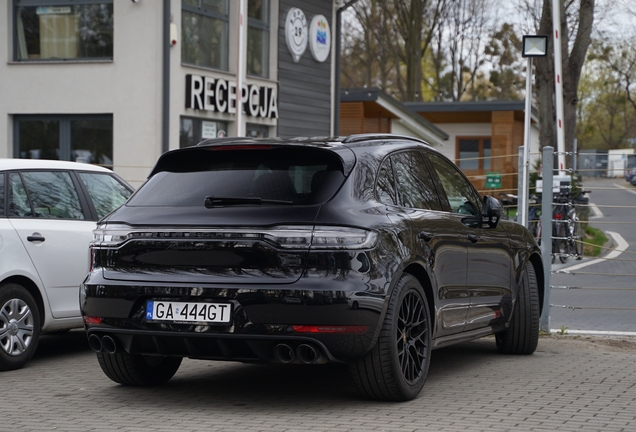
572 63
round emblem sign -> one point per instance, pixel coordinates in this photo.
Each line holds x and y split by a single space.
296 33
319 38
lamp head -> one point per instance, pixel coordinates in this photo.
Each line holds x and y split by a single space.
535 46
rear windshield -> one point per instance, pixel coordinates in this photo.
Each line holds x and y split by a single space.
290 175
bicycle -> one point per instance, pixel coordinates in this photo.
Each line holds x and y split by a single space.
567 230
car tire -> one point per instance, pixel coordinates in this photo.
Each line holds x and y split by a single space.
396 367
19 326
522 336
138 370
355 305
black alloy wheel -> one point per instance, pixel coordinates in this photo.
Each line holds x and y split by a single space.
396 367
411 347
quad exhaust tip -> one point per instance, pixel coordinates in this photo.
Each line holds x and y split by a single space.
95 343
303 353
105 343
309 354
109 345
284 353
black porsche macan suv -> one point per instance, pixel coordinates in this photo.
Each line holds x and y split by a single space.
369 250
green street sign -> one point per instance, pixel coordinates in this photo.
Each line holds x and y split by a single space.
493 180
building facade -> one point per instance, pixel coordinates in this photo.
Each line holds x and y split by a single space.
118 82
484 137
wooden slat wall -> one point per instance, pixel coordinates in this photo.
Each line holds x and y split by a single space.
505 142
353 121
351 118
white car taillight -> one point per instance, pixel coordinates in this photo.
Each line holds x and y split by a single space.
110 235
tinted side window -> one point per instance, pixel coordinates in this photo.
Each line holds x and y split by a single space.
385 186
53 195
1 194
458 190
106 192
415 184
19 204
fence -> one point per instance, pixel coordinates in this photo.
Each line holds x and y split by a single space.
617 264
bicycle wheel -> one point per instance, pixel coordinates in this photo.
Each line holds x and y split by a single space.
578 238
562 243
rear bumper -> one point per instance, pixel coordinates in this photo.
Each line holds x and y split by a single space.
261 319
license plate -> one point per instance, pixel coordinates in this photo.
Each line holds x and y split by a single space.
188 312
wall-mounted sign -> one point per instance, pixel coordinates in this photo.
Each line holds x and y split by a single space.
296 33
319 38
218 94
493 180
208 129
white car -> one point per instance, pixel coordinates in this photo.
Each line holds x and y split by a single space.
48 211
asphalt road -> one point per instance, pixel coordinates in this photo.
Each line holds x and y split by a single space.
604 299
569 384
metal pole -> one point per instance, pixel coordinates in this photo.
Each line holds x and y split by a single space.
240 68
558 83
165 79
521 197
526 145
546 234
336 117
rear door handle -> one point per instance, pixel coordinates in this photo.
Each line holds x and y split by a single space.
472 237
36 237
426 236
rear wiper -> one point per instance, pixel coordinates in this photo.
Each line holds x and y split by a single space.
212 201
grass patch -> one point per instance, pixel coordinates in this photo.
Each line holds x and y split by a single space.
594 239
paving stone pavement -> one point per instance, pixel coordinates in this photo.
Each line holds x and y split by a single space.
569 384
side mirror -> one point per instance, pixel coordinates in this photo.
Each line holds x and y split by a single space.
493 209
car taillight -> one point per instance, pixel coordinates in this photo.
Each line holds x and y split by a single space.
321 237
92 320
91 259
110 235
284 237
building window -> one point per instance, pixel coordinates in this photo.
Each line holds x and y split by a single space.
256 131
204 31
195 130
258 38
474 153
63 29
79 138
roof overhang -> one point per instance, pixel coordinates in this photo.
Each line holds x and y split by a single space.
465 107
419 126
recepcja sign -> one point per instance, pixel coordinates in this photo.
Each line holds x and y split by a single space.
218 94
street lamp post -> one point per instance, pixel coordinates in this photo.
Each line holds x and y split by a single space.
533 46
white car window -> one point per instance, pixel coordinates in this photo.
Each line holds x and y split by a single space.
19 204
53 195
1 194
106 192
